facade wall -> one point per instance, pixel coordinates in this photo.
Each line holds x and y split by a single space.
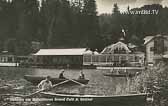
156 48
7 59
59 60
166 46
115 55
150 52
114 59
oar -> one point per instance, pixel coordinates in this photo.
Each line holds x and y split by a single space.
76 82
46 89
16 95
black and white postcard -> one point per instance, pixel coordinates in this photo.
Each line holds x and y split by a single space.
83 52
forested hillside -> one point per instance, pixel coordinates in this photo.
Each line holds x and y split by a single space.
63 24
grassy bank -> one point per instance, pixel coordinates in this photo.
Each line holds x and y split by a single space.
154 80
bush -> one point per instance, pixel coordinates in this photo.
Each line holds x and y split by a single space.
154 80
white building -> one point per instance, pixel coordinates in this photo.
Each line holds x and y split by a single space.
116 55
155 48
60 57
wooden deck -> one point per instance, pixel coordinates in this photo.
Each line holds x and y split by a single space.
120 68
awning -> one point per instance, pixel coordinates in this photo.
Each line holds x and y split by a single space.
74 51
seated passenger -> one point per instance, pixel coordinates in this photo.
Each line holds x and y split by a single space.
61 75
81 76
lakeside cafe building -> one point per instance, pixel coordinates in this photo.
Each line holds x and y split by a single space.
59 57
117 55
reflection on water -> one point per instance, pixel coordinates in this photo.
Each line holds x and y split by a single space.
98 84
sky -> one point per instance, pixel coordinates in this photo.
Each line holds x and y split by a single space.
106 6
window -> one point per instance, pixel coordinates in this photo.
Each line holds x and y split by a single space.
123 58
10 59
151 48
131 58
159 45
116 58
165 48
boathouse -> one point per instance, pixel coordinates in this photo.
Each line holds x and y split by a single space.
60 57
116 55
156 47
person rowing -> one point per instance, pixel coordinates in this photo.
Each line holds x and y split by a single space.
61 75
45 84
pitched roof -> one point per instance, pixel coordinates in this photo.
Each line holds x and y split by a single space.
73 51
112 47
88 52
95 52
148 39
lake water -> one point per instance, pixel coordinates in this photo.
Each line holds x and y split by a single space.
98 84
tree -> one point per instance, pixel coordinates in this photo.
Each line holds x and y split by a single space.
90 24
116 10
136 26
112 26
5 20
57 17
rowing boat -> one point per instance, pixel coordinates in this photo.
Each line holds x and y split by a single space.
96 99
118 75
37 79
83 100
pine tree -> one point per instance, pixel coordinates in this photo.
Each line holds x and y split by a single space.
48 14
116 10
116 24
58 23
24 19
5 22
90 24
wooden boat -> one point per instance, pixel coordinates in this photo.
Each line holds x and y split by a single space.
118 75
37 79
83 100
96 99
